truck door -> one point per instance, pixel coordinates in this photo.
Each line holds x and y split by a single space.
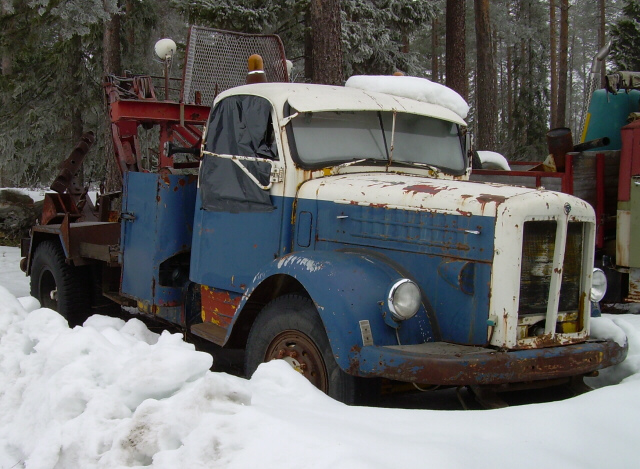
239 211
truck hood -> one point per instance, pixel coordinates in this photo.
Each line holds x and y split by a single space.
408 192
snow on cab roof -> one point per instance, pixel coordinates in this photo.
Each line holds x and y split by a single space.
416 88
317 98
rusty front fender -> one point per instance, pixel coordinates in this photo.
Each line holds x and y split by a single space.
442 363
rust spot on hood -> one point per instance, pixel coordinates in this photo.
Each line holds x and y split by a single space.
485 199
424 188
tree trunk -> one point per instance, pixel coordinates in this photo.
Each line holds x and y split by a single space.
562 68
435 43
308 47
456 70
6 57
554 63
111 58
485 90
111 64
575 122
510 87
327 42
131 32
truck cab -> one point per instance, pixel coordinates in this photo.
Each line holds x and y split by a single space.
336 228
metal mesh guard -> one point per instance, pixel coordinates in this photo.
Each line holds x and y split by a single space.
215 57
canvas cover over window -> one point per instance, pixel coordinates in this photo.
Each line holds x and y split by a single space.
239 126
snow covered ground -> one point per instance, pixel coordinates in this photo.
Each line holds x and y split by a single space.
112 394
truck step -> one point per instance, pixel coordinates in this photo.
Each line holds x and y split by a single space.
210 331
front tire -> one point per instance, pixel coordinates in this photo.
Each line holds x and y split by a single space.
289 328
58 285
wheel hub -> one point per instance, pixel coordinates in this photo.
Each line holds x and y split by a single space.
302 354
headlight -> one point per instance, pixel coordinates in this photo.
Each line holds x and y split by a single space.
404 299
598 285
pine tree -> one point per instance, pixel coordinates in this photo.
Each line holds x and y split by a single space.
48 93
376 33
52 92
625 32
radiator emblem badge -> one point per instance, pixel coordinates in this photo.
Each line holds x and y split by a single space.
567 208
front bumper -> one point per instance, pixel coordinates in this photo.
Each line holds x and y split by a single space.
442 363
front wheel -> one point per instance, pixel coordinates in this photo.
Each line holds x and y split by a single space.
58 285
289 328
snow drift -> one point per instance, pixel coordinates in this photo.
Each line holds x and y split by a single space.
112 394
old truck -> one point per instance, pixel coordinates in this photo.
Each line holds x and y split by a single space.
605 173
331 227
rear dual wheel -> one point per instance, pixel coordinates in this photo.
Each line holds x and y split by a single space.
290 329
58 285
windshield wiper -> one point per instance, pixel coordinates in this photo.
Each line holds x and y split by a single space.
357 161
393 136
384 137
421 165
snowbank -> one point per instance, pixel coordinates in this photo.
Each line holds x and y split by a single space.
112 394
11 276
416 88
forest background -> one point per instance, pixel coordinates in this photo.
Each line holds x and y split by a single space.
523 65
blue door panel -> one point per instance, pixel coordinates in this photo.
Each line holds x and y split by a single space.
230 248
157 224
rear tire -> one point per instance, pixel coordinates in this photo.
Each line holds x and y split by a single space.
58 285
290 328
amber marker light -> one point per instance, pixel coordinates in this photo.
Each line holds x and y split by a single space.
256 70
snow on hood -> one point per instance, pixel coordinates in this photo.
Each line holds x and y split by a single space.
416 88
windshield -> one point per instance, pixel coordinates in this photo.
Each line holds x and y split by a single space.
323 139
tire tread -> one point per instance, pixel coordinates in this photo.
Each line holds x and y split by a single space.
72 282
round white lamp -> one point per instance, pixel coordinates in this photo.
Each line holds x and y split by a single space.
165 48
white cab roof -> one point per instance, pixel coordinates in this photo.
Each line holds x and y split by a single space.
317 98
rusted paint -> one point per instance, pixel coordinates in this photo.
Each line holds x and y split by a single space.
424 188
354 363
463 212
634 285
217 306
168 304
488 198
449 364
